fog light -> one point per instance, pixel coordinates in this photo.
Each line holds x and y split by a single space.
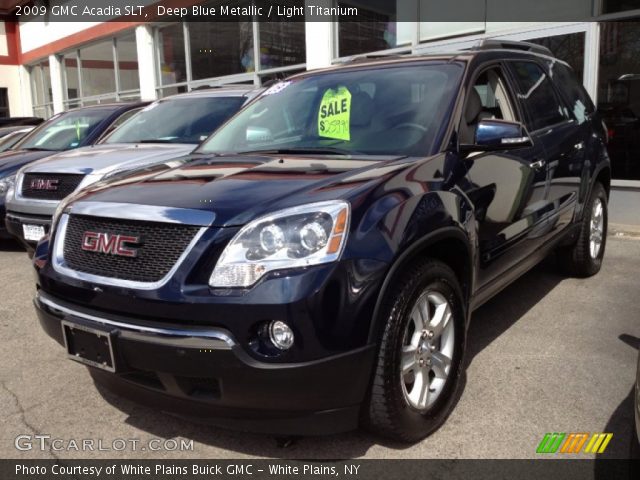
280 335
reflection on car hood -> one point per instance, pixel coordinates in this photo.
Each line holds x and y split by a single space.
240 187
12 160
106 158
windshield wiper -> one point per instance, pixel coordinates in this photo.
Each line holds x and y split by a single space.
38 149
304 150
155 140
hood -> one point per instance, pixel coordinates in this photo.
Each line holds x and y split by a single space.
239 188
12 160
103 159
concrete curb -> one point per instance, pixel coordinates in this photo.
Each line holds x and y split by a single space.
626 231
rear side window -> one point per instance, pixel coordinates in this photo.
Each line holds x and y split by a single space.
575 95
535 91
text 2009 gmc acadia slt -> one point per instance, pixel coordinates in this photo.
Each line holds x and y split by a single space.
314 265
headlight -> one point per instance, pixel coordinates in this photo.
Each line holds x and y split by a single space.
311 234
6 183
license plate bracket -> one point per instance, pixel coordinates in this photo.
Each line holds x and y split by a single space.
90 346
33 233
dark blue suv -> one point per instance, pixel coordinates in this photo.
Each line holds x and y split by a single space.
314 265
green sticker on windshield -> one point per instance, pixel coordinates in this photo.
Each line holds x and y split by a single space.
334 114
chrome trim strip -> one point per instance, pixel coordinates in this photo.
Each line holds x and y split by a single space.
136 331
60 266
149 213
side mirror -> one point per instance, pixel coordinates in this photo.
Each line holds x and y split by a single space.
499 135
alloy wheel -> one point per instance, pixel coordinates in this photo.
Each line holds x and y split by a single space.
427 350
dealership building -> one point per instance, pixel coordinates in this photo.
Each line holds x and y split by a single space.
49 66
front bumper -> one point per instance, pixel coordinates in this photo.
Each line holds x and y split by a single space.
15 221
204 373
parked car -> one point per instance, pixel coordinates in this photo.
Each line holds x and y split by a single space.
168 128
636 411
65 131
10 136
316 263
20 121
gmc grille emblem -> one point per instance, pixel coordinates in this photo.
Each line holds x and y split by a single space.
43 184
111 244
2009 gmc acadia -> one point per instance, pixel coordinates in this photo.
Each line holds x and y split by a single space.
314 265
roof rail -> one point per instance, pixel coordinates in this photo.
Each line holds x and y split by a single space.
492 44
367 57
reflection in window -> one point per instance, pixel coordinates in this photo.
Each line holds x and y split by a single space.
223 50
281 44
619 95
67 130
569 48
377 30
535 90
171 54
192 120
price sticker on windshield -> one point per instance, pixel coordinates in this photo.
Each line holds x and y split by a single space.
335 114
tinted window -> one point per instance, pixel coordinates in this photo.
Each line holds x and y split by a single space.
177 120
393 110
573 92
536 92
119 121
65 131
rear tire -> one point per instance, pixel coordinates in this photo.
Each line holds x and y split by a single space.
420 359
584 258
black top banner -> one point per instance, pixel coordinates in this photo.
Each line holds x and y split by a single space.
322 10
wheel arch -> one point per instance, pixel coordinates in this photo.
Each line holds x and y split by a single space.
451 246
604 177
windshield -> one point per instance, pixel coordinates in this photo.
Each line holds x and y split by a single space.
177 120
395 110
65 131
10 140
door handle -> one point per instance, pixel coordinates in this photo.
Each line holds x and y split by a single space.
579 146
537 164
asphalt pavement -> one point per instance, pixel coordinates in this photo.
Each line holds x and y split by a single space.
548 354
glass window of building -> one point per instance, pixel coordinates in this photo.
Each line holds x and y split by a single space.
613 6
71 80
377 30
281 44
171 55
127 53
97 65
41 90
101 72
226 49
619 95
194 55
4 102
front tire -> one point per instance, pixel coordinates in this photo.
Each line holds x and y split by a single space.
584 258
420 360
